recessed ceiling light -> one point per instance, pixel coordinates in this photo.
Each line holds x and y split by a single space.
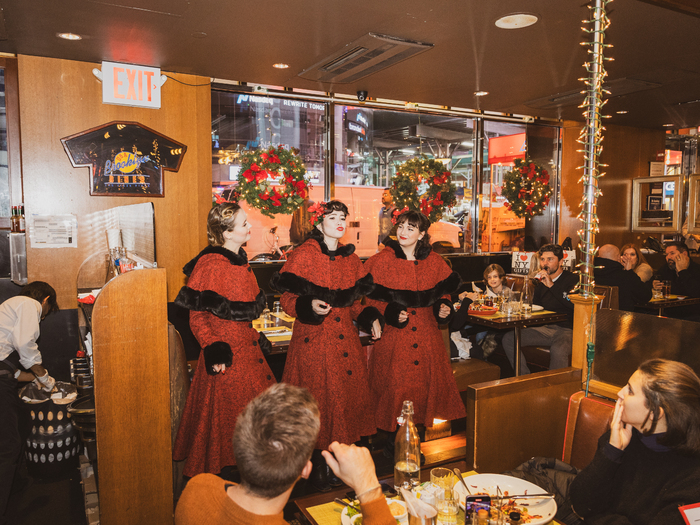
280 65
69 36
480 93
516 21
622 112
669 125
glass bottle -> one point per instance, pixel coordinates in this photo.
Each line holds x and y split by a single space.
526 298
407 449
14 224
20 218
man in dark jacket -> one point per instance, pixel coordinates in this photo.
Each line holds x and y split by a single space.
610 272
552 288
684 275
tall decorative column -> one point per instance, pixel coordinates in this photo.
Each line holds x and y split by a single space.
591 138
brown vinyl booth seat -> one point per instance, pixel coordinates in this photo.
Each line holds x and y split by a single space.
587 419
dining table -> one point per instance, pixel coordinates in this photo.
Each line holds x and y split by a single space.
670 301
517 322
321 509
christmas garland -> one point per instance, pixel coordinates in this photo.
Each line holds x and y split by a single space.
526 189
273 180
440 193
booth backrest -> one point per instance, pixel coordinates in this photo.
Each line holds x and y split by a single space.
587 420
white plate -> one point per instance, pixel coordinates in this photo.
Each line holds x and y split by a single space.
546 508
537 308
345 520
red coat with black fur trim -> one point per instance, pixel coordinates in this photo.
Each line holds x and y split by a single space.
325 354
223 298
410 361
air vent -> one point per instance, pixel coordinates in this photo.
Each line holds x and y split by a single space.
617 88
365 56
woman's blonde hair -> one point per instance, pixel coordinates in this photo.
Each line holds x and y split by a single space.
221 219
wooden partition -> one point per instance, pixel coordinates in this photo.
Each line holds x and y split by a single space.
132 400
511 420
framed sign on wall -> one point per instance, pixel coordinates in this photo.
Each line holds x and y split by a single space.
125 158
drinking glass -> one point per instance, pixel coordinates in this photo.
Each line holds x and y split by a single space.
667 289
446 503
513 304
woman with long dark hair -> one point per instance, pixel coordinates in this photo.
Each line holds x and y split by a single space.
648 463
322 284
223 298
412 289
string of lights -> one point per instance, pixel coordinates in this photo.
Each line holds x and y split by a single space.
591 137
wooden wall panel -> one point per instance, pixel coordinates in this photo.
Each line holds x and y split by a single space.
59 98
627 151
132 400
511 420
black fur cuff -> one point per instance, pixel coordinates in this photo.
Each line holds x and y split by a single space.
265 344
218 353
436 311
305 312
391 314
367 317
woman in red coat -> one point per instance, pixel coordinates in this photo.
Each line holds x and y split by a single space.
410 362
322 284
223 298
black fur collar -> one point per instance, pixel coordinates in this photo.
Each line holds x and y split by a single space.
343 249
420 298
338 298
237 259
421 253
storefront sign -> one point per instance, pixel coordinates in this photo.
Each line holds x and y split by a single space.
130 85
125 158
356 128
504 150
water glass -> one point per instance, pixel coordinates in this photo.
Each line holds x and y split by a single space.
446 503
513 304
277 307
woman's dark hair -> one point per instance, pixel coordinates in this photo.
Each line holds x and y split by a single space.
675 388
39 290
417 220
221 219
329 207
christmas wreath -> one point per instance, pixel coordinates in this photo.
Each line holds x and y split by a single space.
526 188
273 180
423 185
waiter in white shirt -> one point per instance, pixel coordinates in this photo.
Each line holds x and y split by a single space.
20 360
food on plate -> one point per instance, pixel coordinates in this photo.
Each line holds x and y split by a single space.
397 509
479 307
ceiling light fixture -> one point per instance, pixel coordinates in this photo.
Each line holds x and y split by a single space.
69 36
280 65
480 93
669 125
516 21
622 112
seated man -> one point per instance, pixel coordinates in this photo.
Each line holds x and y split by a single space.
610 272
684 275
273 441
552 288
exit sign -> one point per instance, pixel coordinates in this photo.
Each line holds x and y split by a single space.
129 85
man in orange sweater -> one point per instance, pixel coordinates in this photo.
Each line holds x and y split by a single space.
273 441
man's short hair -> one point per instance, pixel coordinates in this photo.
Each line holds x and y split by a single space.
556 249
680 246
274 438
39 290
